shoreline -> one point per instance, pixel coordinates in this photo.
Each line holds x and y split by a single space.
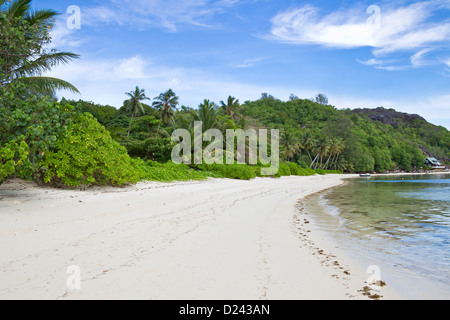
403 282
330 254
218 239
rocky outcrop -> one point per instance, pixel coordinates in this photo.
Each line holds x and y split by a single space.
391 117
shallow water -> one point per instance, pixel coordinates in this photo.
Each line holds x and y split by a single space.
400 224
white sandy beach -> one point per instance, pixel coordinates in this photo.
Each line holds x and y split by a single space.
212 240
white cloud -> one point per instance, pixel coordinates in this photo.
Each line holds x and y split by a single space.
388 65
63 37
102 15
167 14
305 26
131 68
409 28
436 109
106 81
447 63
417 60
248 63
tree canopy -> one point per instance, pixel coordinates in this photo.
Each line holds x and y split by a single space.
24 35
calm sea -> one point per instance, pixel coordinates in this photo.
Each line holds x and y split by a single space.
401 224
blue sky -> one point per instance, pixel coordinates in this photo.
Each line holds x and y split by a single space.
394 54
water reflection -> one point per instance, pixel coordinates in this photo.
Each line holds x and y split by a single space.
402 221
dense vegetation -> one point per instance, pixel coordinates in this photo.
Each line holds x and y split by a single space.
368 143
79 143
313 135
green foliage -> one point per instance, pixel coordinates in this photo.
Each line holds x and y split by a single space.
324 172
298 170
12 156
153 148
104 114
407 156
87 155
168 172
321 99
247 172
284 170
293 169
37 122
382 158
166 103
232 171
24 35
362 144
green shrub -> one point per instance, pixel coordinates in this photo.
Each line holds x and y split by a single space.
231 171
283 170
168 172
37 122
12 156
324 172
155 149
87 155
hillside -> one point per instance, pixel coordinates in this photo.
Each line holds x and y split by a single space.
372 139
375 139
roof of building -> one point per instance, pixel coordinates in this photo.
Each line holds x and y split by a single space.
433 161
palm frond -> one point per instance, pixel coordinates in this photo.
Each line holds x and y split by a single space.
44 63
141 107
46 85
41 16
18 8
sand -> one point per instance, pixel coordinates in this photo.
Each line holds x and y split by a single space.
212 240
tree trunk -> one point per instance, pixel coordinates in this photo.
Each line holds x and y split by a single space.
131 122
332 161
336 163
314 161
326 164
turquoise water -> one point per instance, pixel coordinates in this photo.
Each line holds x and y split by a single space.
401 224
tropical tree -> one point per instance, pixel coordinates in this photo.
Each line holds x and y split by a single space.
23 36
208 114
134 104
321 99
335 149
308 142
166 103
289 143
293 97
230 107
322 150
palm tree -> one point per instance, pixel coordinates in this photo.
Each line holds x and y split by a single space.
322 148
29 71
208 114
336 147
230 107
308 143
289 143
134 105
340 149
166 103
